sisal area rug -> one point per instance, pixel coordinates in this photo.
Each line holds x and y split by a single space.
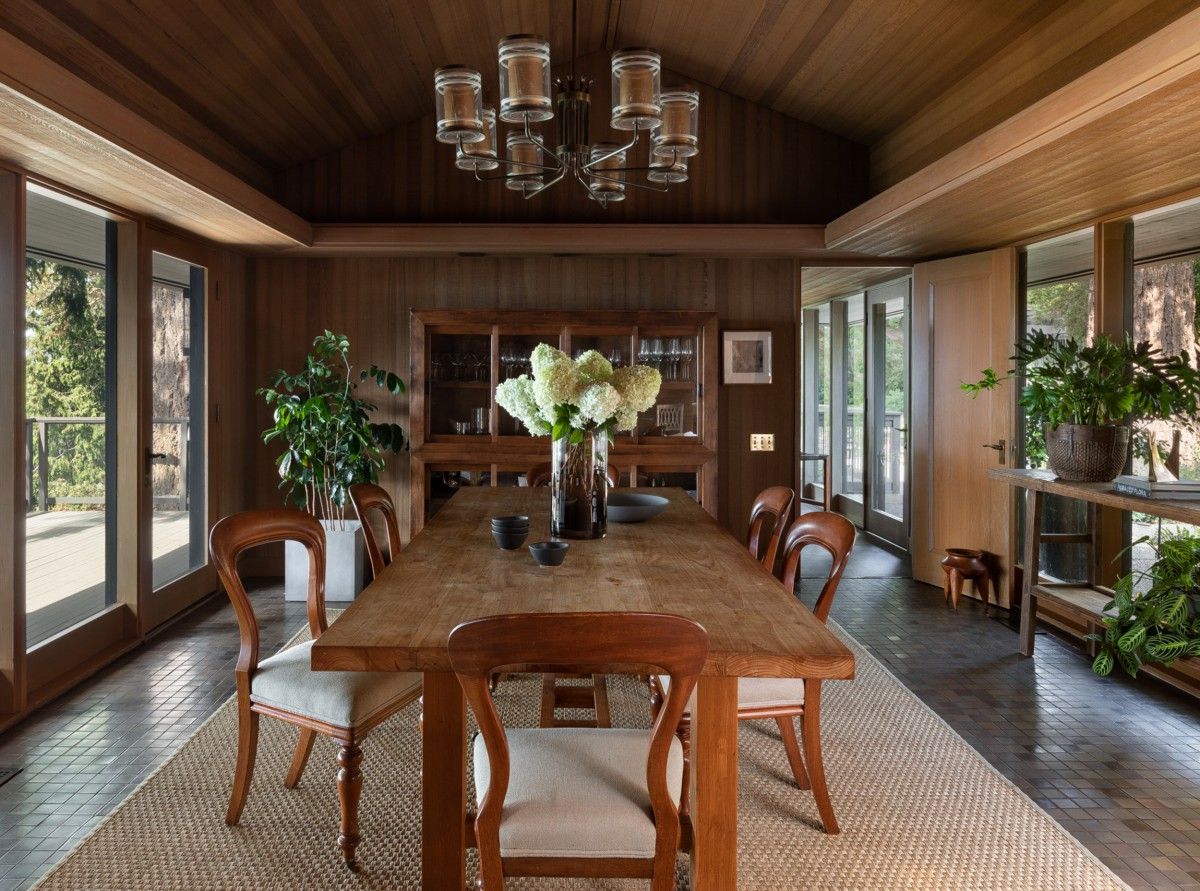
919 809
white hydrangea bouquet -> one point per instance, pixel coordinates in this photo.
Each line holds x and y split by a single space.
581 404
571 397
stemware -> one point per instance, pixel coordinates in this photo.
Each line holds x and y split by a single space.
456 365
614 357
687 352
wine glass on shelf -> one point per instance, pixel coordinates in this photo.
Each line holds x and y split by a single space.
435 367
456 365
614 357
687 352
480 364
674 357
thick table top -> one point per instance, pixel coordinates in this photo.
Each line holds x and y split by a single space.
680 562
1181 510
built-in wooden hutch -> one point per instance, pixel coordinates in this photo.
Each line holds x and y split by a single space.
460 437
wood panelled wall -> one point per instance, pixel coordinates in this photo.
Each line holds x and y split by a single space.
369 300
755 166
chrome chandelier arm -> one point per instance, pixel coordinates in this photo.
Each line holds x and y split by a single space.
633 142
625 182
537 140
544 186
592 193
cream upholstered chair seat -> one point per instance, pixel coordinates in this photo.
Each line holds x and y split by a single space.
577 792
758 692
341 698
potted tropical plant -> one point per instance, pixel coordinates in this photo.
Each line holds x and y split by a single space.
1154 616
330 443
1085 398
580 403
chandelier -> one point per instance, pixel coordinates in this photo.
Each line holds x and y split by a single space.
639 106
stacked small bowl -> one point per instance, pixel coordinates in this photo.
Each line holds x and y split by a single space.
510 532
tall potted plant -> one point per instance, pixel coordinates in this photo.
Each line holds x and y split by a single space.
580 404
330 443
1086 398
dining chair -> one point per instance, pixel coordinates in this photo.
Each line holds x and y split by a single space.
769 516
581 802
539 475
368 497
785 699
343 705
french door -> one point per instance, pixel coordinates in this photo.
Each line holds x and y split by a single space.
103 409
886 504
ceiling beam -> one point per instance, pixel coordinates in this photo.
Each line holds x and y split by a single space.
806 242
56 125
1084 150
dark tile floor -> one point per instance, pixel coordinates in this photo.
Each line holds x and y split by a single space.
1116 762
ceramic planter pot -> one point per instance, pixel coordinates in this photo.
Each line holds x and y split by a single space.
1083 454
343 563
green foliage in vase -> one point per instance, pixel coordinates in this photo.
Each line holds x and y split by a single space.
1157 612
330 442
1067 381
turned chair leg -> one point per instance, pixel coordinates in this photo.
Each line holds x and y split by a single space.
349 785
247 748
810 731
787 731
304 747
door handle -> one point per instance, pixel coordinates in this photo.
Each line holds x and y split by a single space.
151 457
998 447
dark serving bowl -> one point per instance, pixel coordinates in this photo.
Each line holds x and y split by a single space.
549 553
511 540
507 522
634 507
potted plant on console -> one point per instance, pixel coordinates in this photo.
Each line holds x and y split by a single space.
1085 398
330 443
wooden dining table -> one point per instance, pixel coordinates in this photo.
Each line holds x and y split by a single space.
679 562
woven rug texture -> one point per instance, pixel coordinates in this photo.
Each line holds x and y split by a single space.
919 809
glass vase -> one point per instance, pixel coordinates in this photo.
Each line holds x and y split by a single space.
579 487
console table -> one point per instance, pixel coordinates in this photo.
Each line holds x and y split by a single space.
1086 600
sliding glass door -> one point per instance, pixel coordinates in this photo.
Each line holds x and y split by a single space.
855 392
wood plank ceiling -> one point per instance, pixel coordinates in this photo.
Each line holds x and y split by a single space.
260 87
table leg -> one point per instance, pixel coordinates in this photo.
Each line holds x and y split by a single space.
443 784
714 793
1031 569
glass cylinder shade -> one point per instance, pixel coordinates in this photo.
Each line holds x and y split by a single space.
480 155
609 167
677 135
525 151
579 487
525 79
458 94
666 170
636 83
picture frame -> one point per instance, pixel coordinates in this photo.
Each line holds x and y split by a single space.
747 357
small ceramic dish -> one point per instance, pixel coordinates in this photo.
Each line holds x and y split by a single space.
510 540
549 553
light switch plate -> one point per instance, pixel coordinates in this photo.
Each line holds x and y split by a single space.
762 442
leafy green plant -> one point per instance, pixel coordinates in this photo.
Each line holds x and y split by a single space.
329 440
1109 382
1157 618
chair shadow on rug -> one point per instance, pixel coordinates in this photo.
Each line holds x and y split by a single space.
343 705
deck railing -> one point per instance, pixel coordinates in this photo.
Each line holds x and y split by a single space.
37 463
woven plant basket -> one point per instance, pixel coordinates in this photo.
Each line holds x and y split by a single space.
1084 454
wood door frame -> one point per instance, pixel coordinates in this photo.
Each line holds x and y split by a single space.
164 603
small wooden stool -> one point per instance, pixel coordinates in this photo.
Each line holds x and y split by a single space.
960 564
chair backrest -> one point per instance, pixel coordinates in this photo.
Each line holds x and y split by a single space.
367 497
240 532
669 418
539 475
830 531
590 643
769 516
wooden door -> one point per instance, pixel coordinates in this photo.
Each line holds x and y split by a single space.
963 320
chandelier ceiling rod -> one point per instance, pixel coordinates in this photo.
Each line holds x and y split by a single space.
639 105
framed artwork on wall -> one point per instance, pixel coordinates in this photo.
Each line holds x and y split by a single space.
747 357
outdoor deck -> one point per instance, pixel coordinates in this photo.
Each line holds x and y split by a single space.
64 560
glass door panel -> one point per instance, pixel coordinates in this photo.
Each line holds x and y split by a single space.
889 413
70 414
854 404
675 355
177 436
459 395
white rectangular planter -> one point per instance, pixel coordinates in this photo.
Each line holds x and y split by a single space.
343 563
